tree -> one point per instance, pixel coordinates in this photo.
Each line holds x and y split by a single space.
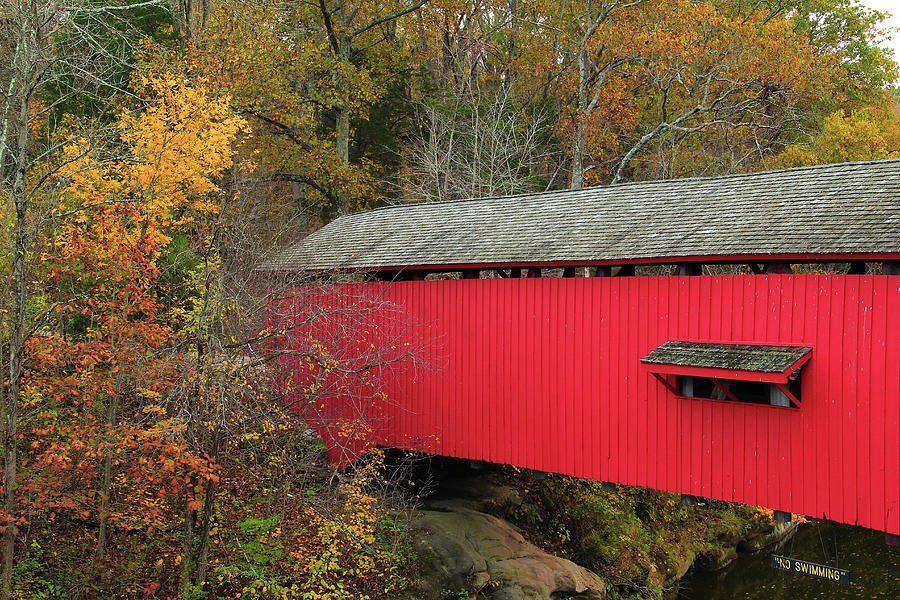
868 133
281 69
346 24
751 104
598 39
708 69
41 52
474 146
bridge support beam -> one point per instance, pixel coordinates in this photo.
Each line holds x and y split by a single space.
892 539
688 500
857 267
779 268
689 269
782 516
607 486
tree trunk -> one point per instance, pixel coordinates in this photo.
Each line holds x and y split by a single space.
187 548
205 526
579 124
342 128
107 481
193 17
16 346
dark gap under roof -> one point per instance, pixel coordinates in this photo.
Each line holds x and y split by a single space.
839 211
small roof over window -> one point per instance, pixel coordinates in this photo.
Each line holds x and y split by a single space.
750 362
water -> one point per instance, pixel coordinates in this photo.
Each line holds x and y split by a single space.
874 569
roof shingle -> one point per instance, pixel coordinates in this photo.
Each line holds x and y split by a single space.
845 208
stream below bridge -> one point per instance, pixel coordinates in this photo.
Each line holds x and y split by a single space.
874 569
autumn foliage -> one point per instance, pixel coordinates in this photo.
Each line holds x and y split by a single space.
153 454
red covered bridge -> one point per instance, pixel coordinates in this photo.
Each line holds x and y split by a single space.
735 338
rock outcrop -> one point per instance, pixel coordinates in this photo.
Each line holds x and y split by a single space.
486 558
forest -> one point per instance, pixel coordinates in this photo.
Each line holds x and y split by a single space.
153 152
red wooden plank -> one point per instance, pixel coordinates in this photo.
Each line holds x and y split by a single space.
794 473
759 462
471 417
604 368
655 410
553 381
487 364
669 446
456 427
729 453
544 425
579 400
712 291
811 392
567 359
700 293
892 408
489 325
479 415
850 399
633 398
687 433
533 327
444 329
769 480
636 398
877 413
786 427
590 341
614 376
511 361
843 355
656 394
823 400
863 463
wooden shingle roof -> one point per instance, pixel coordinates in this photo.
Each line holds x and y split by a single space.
829 210
740 357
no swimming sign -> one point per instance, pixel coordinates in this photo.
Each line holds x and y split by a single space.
808 568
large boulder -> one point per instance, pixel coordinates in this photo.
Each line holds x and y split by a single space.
472 552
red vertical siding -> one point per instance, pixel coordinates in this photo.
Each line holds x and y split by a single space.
545 373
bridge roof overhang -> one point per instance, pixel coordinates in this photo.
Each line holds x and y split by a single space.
829 213
748 362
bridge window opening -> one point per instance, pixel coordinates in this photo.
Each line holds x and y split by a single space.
751 392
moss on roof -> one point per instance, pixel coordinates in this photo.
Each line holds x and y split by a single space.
738 357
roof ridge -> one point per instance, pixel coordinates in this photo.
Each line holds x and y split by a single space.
628 184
